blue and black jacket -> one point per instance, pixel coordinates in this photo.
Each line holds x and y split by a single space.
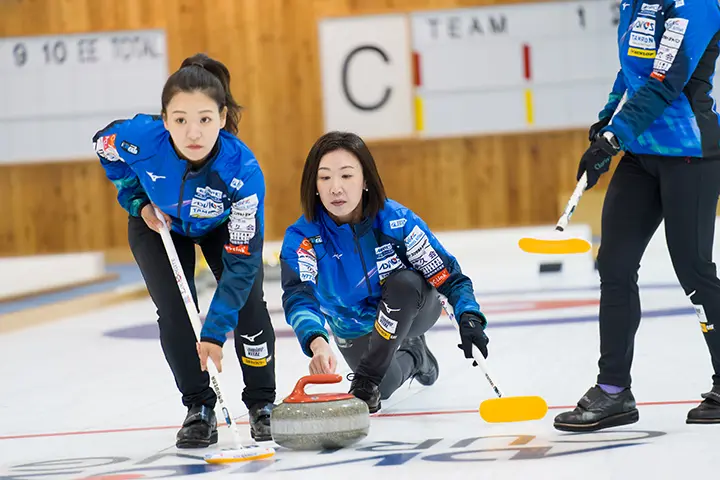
668 50
334 273
227 191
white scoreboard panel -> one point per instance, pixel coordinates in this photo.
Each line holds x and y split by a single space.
467 71
57 91
514 67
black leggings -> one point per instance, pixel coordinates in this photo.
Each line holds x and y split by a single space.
409 308
177 337
643 191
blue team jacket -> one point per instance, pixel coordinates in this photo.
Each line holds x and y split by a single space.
667 50
138 157
335 273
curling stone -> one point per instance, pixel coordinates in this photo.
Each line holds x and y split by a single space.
319 421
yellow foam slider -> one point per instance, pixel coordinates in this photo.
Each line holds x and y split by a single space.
501 409
513 409
557 242
551 246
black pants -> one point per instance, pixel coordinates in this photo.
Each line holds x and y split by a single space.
177 337
409 308
643 191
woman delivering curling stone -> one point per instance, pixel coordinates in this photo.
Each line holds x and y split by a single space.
369 267
190 165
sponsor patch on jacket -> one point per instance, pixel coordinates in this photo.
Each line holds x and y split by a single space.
638 52
642 41
667 54
672 39
242 224
439 278
207 203
206 208
387 265
307 262
236 183
237 249
105 147
423 256
397 223
644 25
384 250
386 261
649 9
677 25
130 148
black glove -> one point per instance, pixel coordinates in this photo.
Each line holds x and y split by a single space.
472 332
597 126
596 159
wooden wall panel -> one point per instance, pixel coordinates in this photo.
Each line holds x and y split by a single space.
271 49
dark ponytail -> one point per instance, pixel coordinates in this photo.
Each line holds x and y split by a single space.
202 73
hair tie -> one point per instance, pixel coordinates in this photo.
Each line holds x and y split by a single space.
198 65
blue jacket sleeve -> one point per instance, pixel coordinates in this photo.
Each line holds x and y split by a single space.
131 195
299 270
242 258
688 31
438 266
616 94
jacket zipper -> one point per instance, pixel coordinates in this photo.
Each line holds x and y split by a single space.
362 260
182 191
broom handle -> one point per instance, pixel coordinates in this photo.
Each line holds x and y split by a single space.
192 312
572 203
476 352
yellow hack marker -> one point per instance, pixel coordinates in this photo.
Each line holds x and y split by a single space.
501 409
557 243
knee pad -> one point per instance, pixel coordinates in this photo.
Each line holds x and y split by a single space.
402 289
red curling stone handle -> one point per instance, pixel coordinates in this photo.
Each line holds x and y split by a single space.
298 394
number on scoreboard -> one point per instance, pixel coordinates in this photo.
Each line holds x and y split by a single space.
58 90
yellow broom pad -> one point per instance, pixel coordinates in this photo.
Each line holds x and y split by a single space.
513 409
554 247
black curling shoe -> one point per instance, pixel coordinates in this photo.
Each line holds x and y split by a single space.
426 366
365 390
598 409
199 430
260 422
709 410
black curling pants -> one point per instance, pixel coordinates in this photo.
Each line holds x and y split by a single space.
177 337
643 191
409 308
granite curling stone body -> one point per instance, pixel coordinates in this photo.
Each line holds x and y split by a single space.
319 421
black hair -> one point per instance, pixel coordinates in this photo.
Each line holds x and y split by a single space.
373 199
210 76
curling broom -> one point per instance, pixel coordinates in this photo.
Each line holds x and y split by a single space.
501 409
557 243
239 453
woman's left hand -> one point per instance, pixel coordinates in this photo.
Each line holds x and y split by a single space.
215 352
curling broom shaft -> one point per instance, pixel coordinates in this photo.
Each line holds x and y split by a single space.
476 353
186 295
572 203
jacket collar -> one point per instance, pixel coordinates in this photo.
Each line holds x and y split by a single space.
328 224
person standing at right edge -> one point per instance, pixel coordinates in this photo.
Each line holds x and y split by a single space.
670 134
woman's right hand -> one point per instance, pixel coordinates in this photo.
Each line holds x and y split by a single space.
148 214
323 359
